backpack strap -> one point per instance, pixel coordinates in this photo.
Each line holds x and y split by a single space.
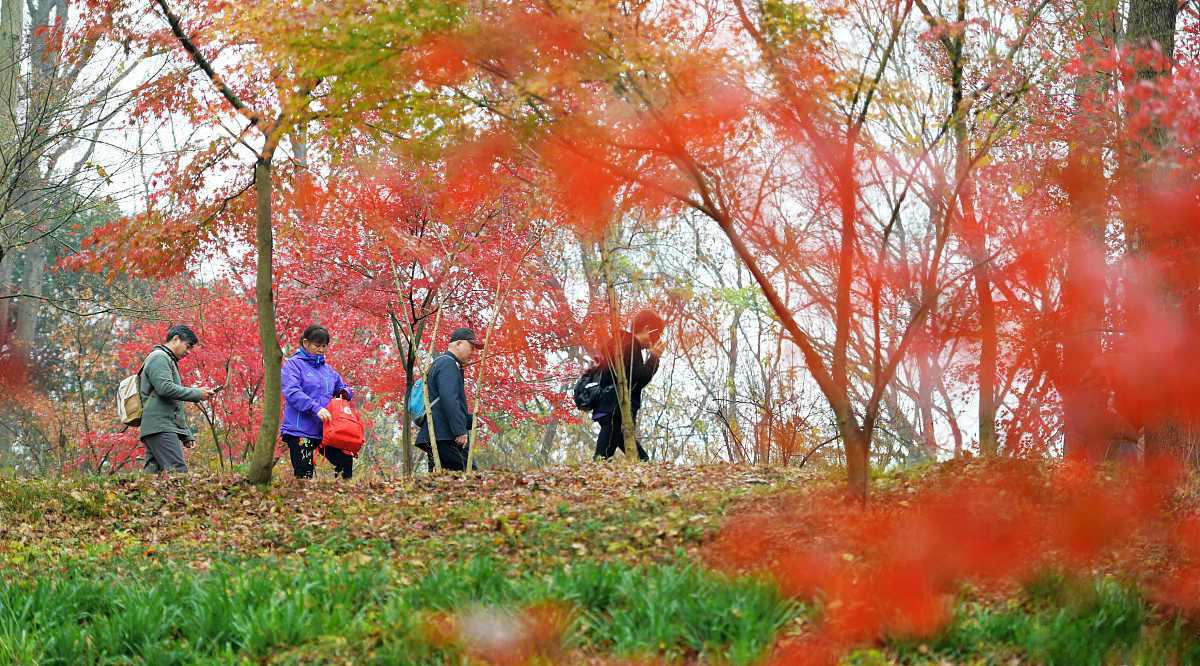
143 368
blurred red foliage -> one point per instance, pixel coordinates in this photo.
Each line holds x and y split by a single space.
894 566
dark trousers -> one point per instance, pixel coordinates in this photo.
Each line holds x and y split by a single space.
452 455
612 438
164 453
302 457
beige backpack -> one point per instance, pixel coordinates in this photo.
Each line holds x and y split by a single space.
129 400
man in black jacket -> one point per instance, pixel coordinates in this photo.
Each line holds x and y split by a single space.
639 353
448 402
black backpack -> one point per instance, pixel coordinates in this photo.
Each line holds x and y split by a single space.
588 390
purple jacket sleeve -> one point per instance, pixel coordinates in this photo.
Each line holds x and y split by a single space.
290 381
340 385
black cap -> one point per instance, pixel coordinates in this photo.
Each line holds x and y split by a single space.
466 334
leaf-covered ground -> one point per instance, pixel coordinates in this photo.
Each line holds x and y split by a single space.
592 564
535 519
204 569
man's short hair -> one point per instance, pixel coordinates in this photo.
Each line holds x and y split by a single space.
183 333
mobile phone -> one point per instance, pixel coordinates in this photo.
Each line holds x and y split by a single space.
218 389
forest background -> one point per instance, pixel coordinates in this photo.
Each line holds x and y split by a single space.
936 255
881 232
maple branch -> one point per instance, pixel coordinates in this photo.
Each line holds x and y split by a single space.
883 63
816 448
720 414
240 137
100 123
205 66
224 205
933 20
56 304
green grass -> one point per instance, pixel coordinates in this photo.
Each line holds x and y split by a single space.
1062 622
31 498
208 571
328 609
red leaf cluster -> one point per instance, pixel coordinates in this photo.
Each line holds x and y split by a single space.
14 366
441 60
893 568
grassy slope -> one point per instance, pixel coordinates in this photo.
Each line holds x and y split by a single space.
537 519
208 570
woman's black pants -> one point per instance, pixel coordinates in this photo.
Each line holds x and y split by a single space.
302 457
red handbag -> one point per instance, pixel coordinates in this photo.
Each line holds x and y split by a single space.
345 429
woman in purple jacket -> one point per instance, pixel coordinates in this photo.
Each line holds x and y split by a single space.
308 385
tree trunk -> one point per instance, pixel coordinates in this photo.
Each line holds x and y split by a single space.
28 185
731 409
12 18
926 352
1083 394
28 309
1152 23
925 385
1178 438
410 347
264 448
855 440
857 444
587 257
5 303
951 417
976 240
988 343
974 234
624 392
549 436
410 364
433 437
905 431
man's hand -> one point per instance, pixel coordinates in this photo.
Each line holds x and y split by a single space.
461 440
324 415
207 394
188 443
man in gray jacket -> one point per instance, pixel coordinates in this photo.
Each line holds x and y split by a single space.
164 430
